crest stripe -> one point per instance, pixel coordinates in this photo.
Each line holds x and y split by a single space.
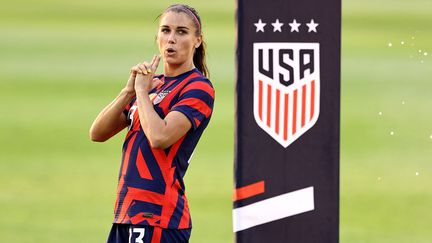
286 117
294 125
312 99
269 96
260 97
277 111
303 114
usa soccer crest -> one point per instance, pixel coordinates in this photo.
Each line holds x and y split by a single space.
286 88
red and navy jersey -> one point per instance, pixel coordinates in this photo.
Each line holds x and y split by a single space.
151 189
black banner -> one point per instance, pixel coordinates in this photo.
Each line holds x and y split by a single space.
287 121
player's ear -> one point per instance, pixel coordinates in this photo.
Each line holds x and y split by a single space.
198 41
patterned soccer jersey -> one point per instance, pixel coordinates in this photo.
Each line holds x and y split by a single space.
151 189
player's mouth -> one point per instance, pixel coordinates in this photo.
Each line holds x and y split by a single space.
170 51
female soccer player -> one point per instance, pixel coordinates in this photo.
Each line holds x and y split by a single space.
165 115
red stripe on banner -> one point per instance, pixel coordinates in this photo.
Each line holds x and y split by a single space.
294 128
268 104
303 114
249 191
277 110
260 97
286 117
312 99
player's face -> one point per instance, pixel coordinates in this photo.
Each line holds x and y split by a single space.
177 38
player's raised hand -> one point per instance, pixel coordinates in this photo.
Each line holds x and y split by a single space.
144 80
130 85
134 71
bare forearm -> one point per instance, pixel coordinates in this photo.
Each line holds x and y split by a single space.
110 120
151 123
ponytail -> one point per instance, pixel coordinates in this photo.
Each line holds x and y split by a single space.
200 61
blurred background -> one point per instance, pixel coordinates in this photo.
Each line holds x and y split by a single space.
62 61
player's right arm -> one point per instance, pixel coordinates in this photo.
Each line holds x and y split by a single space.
111 120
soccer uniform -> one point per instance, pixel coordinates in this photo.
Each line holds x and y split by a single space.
151 191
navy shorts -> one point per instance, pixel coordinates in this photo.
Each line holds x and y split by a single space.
127 233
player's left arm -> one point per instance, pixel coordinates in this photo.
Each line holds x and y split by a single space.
161 133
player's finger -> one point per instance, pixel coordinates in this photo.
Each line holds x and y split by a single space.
143 68
147 67
156 63
135 69
152 61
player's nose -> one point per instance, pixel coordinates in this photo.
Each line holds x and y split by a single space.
171 38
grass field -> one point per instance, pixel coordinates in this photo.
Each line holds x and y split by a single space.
62 61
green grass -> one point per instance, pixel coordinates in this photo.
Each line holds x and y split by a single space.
382 198
62 61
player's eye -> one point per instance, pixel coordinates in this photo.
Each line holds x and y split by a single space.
165 30
182 32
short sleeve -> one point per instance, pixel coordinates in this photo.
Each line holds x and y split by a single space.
196 102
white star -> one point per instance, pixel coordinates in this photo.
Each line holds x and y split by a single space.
260 26
312 26
277 26
294 26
